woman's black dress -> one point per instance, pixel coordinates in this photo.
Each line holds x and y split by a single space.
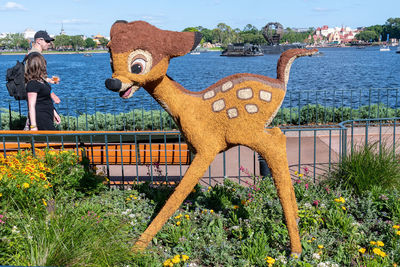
44 104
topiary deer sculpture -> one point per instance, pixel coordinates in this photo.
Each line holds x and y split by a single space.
212 120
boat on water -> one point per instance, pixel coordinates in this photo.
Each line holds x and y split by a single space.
384 48
242 50
195 53
87 55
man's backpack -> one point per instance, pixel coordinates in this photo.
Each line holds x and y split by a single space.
16 79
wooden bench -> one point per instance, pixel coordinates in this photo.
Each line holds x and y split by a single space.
111 152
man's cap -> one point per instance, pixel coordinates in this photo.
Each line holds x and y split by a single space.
44 35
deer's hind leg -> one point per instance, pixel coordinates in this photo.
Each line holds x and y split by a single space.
195 171
271 145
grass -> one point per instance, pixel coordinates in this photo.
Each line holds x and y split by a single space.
226 225
374 165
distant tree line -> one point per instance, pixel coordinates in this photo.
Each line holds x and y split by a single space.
224 35
372 33
16 41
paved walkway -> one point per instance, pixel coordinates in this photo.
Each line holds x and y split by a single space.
314 150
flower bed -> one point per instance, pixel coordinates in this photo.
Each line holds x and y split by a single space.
55 211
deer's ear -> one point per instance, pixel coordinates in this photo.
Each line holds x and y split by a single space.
180 43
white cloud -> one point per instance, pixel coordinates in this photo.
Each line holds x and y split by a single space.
12 6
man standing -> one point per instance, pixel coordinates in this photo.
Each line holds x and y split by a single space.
42 42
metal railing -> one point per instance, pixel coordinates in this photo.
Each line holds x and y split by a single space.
299 108
139 156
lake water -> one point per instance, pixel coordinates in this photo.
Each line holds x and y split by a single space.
323 79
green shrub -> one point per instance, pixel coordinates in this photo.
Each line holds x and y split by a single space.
367 166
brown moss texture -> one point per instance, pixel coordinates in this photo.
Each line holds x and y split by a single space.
233 111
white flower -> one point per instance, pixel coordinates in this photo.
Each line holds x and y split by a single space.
322 264
316 256
308 205
124 213
334 265
129 210
322 206
131 215
15 230
282 259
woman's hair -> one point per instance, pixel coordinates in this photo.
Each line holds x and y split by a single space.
35 67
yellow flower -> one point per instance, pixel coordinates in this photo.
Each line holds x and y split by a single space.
1 194
187 216
128 199
379 252
44 202
235 207
362 250
396 226
270 260
343 208
25 185
176 259
340 200
372 243
398 233
209 188
296 173
300 175
179 216
321 246
211 211
168 263
185 257
178 222
134 197
380 244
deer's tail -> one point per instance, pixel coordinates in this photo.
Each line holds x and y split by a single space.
286 60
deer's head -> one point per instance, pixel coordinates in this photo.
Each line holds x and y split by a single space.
140 54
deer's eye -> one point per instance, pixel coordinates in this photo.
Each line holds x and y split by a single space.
138 66
139 62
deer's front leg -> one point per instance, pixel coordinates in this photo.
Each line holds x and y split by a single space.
196 170
272 147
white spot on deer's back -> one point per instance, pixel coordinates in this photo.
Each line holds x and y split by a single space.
245 93
251 108
265 95
209 94
226 86
232 113
218 105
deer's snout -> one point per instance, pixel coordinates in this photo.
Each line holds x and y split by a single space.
113 84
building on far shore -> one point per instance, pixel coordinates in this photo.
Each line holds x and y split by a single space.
337 35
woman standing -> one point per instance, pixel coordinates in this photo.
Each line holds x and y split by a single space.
41 109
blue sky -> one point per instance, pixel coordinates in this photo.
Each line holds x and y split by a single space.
90 17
